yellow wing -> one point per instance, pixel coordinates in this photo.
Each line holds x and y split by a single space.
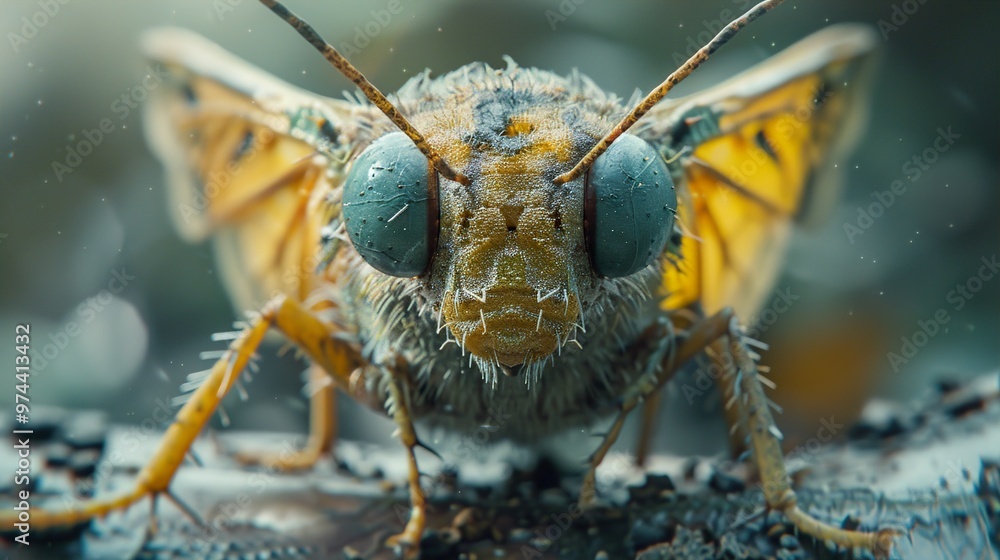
754 155
250 160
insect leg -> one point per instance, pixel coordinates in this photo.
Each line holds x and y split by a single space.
738 435
650 408
740 380
408 436
322 429
681 320
742 388
155 477
669 351
319 341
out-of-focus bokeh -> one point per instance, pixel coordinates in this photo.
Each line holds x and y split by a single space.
891 294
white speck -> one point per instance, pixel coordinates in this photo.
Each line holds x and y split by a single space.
401 210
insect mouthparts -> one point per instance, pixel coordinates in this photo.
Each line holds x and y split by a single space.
511 371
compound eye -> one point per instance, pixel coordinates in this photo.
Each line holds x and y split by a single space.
390 206
629 207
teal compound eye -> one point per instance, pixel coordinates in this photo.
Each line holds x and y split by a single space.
390 206
629 207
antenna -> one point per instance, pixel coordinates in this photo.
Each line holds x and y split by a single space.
370 91
654 97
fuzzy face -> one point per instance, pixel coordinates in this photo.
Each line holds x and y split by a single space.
511 261
510 297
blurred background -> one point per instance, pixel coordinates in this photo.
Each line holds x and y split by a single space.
120 307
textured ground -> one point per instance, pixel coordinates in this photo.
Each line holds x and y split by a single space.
932 471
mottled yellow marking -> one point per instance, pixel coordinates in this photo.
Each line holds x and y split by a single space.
517 126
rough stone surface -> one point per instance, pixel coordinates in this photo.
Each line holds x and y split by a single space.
935 475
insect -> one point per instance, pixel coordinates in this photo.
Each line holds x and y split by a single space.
498 238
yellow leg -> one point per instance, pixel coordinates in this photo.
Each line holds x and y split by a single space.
322 430
321 343
743 389
410 537
658 336
319 340
741 381
722 359
650 408
155 478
